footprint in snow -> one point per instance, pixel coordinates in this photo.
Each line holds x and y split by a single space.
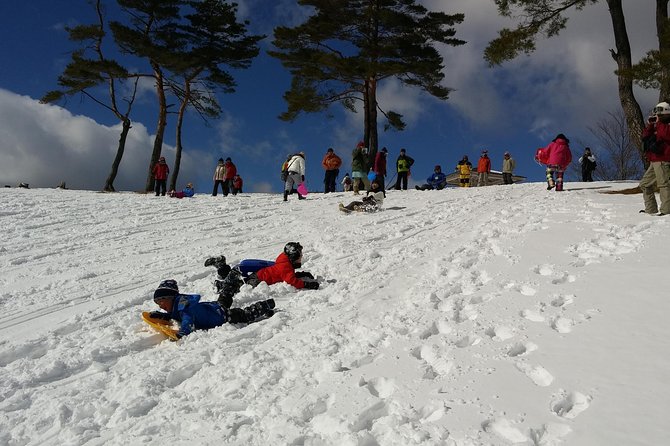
544 270
538 374
503 428
500 333
563 300
569 405
521 349
532 315
562 324
379 387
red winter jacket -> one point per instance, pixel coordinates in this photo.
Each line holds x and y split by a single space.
558 153
662 137
380 164
161 171
231 170
281 271
484 164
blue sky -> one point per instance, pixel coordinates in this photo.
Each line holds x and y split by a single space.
566 86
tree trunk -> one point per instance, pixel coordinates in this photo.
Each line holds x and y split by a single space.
366 107
160 128
109 184
663 35
180 120
622 56
372 111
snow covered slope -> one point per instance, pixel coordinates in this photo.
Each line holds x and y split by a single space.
482 316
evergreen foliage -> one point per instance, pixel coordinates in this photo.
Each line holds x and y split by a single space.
342 52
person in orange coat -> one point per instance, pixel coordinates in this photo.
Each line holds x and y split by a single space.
331 164
483 169
161 171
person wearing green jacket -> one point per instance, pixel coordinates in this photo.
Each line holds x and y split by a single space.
402 165
359 167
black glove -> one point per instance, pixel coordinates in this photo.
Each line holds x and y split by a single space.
303 177
304 275
159 315
312 285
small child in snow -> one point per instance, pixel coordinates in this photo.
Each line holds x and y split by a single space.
372 202
188 192
253 272
195 315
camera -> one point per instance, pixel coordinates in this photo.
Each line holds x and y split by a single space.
651 119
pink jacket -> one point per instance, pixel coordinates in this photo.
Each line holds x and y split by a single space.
558 153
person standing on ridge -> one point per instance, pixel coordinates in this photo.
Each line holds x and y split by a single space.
359 171
331 164
588 162
483 169
219 177
161 171
296 174
379 168
402 165
464 169
508 168
656 141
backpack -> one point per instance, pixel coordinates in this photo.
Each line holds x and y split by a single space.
284 171
650 144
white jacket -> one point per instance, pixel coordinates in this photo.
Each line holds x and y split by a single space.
296 164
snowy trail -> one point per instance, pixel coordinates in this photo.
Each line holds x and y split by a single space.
440 321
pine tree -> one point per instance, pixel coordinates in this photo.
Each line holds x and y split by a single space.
346 48
209 40
88 68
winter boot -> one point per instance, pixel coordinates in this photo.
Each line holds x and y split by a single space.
285 195
252 312
228 287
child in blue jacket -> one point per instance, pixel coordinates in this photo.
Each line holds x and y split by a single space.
436 181
195 315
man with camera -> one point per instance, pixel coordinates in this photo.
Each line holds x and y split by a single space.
656 141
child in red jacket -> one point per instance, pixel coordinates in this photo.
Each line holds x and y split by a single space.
283 270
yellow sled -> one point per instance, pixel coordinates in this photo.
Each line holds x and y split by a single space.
160 325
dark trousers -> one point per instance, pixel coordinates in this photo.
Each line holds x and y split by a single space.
402 177
507 178
330 180
251 313
230 284
216 187
160 187
381 180
226 187
586 175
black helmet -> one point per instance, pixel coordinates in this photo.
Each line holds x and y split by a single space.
293 251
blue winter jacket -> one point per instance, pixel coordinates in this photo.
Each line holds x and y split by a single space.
195 315
437 180
188 192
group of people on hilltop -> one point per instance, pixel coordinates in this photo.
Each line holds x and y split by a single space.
226 176
191 314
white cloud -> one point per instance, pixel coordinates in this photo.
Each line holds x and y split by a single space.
45 144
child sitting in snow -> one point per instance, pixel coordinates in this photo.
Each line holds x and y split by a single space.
188 191
372 202
253 272
195 315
